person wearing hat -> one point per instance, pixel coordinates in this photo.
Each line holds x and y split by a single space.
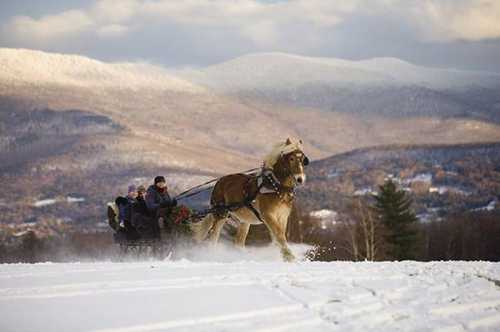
140 202
158 201
140 212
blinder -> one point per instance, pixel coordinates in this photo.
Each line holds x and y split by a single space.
305 162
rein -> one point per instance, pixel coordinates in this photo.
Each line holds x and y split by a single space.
188 193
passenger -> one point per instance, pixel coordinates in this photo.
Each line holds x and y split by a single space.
157 196
113 214
159 203
140 201
121 202
125 212
120 234
142 220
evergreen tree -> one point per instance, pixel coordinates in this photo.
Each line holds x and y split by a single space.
393 207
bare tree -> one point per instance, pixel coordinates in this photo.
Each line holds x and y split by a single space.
364 234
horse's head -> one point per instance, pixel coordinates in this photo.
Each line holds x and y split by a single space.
292 161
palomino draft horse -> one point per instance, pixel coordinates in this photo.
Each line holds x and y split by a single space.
253 199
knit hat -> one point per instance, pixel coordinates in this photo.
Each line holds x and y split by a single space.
141 188
159 179
132 188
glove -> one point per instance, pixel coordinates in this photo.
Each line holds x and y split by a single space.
174 202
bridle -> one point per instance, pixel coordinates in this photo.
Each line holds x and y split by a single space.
275 183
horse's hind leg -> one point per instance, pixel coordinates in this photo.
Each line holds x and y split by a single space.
241 234
216 229
202 228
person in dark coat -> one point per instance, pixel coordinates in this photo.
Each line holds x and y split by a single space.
159 202
140 202
131 199
157 195
142 219
125 212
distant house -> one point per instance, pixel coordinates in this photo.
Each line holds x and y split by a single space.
325 217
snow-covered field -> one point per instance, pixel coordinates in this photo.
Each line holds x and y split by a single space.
262 295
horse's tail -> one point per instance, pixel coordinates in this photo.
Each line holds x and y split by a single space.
201 229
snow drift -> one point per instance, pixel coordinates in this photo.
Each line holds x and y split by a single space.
250 296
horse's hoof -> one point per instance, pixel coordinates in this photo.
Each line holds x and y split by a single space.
239 247
287 255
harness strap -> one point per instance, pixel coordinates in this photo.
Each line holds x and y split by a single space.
249 199
276 186
255 212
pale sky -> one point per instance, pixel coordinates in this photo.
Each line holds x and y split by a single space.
462 34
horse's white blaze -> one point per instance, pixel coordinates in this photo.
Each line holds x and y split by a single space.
300 178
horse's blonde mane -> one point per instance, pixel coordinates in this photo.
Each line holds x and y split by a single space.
280 149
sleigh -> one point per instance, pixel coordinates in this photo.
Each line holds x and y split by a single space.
134 243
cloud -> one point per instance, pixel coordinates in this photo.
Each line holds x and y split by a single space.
431 19
114 11
112 30
467 20
263 34
261 23
220 29
50 27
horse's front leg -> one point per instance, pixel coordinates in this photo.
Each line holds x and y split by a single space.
277 228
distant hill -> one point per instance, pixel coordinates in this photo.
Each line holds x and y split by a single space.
235 109
441 178
37 68
380 86
28 136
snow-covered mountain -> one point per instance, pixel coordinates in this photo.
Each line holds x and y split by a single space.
288 71
146 100
383 86
206 107
173 106
22 66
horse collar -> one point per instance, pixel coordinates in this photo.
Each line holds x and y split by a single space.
269 183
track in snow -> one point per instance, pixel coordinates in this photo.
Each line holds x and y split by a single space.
250 296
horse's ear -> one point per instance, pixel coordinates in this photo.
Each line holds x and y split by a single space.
288 141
